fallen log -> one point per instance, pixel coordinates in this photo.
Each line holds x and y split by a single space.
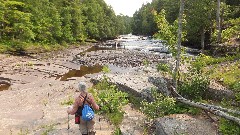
217 110
209 108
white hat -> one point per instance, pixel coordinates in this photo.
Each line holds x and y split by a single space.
82 86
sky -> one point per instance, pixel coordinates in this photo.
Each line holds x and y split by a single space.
126 7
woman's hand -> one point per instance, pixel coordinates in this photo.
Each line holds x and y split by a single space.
69 109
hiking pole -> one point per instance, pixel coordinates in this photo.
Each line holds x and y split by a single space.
87 128
68 124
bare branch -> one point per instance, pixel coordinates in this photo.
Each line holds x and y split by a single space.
217 110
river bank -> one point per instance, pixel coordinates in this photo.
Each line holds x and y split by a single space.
39 84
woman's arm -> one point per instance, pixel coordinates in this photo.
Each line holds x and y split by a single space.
73 109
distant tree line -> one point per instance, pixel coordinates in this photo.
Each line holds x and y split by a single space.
200 16
70 21
59 21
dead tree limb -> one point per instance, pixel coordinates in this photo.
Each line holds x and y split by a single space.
210 109
217 110
177 95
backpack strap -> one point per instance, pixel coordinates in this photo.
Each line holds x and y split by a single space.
84 99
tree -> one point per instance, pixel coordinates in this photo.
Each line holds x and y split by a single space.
15 22
143 21
218 22
46 20
199 15
179 44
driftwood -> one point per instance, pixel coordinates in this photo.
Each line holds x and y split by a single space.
217 110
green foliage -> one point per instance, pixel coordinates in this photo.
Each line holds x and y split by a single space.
117 131
55 22
135 101
47 128
143 22
194 86
111 100
180 108
203 60
167 31
3 48
159 107
163 67
116 117
237 97
13 46
105 69
228 127
68 101
200 16
124 24
233 31
228 75
24 132
146 62
15 23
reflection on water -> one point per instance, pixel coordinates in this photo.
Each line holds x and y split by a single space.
4 83
4 87
84 70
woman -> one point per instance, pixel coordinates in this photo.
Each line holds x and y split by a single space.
86 128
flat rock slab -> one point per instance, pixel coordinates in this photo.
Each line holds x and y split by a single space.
184 124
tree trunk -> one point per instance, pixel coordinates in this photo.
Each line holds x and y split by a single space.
179 43
1 30
218 22
202 39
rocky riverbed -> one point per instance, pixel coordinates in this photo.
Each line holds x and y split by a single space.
33 88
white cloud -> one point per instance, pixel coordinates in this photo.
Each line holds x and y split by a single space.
126 7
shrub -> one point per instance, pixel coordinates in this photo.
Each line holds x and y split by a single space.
163 67
117 131
146 62
194 86
68 101
159 107
111 100
228 127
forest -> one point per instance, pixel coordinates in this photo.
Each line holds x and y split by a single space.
201 21
50 22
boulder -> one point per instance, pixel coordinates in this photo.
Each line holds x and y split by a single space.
184 124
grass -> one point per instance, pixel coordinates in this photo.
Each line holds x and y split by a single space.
117 131
228 75
24 132
225 70
135 101
18 46
68 101
47 129
116 117
203 60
